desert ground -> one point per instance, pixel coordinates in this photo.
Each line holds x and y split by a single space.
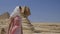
47 27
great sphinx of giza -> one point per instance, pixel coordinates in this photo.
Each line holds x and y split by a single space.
19 21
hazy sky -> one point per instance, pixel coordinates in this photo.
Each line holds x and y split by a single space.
41 10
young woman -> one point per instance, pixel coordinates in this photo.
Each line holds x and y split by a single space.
15 26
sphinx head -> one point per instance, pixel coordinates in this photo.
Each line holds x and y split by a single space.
24 10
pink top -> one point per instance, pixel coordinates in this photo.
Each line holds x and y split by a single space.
16 27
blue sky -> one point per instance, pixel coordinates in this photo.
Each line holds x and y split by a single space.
41 10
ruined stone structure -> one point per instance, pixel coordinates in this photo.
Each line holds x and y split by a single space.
4 22
26 24
30 28
4 16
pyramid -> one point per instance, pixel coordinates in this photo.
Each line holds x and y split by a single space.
4 16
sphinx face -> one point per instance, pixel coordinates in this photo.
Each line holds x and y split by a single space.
25 10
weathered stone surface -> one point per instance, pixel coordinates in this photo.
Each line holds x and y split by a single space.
4 16
27 26
4 24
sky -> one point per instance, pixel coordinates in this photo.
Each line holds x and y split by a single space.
41 10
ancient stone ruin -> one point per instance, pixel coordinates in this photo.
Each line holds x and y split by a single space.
28 27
